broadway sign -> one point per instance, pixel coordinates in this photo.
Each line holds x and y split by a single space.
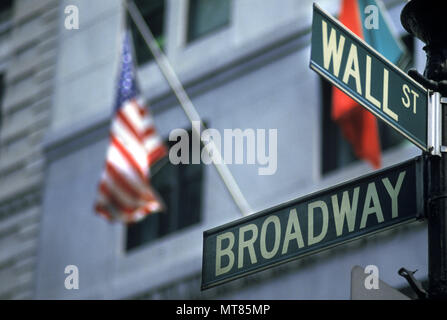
315 222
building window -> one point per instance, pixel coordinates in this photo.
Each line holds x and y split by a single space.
5 11
205 16
336 151
180 186
153 12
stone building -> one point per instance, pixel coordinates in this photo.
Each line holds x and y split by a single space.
244 64
29 41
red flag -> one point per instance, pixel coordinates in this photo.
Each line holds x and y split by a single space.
358 125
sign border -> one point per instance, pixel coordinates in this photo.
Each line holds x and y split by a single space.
379 56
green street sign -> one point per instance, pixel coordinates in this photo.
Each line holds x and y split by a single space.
313 223
365 75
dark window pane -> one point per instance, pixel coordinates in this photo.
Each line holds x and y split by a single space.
190 199
389 137
336 151
180 187
153 12
206 16
5 10
142 232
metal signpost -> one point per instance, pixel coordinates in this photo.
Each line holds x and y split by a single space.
315 222
426 21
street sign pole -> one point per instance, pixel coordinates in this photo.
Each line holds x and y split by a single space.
437 223
427 22
437 237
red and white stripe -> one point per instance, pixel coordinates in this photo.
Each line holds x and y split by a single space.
124 190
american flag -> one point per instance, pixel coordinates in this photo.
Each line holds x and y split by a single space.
124 191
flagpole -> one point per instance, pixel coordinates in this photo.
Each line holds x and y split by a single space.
187 106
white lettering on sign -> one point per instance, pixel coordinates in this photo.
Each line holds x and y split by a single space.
394 192
371 196
266 254
220 252
346 211
352 71
312 239
247 243
368 95
331 51
407 100
293 223
341 211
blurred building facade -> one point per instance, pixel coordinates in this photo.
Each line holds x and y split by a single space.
29 37
245 65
